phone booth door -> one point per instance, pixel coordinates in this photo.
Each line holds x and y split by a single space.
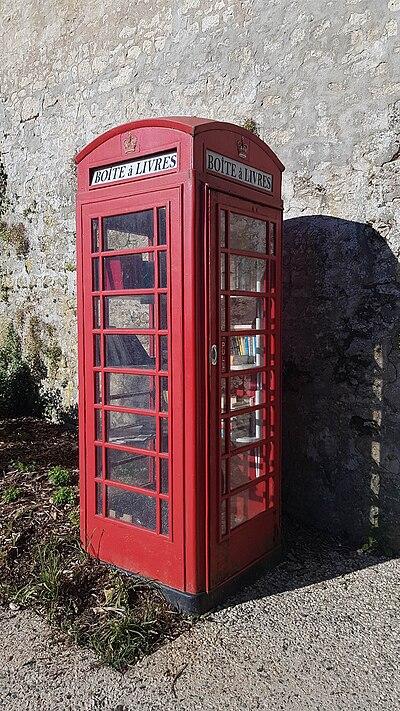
244 272
132 317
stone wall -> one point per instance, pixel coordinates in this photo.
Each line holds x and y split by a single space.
321 80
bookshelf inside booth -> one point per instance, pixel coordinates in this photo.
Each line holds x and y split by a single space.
247 249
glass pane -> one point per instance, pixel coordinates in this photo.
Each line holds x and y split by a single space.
99 498
127 351
223 476
99 462
136 391
222 435
134 469
247 504
246 352
96 346
97 388
247 274
272 309
163 352
247 312
222 314
246 391
95 274
133 430
98 427
96 312
163 434
224 355
129 271
162 270
131 507
248 234
95 235
245 467
223 271
272 276
164 476
162 306
129 312
164 517
222 228
162 231
223 395
248 428
272 238
132 231
223 520
163 394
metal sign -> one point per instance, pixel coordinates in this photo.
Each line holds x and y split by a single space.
138 168
234 169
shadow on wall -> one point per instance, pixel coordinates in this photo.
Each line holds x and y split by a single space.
341 390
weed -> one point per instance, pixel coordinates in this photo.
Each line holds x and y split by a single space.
250 125
70 267
58 476
74 518
43 587
119 640
64 495
21 467
11 494
19 390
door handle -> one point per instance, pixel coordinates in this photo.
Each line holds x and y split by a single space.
214 354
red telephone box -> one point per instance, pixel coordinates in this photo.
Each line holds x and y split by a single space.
179 300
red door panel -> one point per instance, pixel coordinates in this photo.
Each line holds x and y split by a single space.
130 415
244 285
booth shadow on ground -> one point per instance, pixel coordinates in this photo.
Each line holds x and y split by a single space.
341 417
308 557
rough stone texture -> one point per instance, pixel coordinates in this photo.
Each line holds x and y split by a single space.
316 633
321 80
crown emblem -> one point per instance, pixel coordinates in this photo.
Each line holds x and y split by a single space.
243 147
130 143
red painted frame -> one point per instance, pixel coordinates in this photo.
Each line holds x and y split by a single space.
194 559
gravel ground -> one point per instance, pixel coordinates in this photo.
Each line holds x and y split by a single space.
320 631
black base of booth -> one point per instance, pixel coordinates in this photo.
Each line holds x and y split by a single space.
198 603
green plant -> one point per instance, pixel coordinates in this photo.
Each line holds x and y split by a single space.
58 476
44 586
120 639
73 518
70 267
64 495
11 494
19 390
250 125
21 467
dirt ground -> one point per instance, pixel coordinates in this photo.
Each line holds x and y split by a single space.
320 631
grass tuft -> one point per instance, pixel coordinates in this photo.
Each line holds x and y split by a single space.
11 494
59 476
64 496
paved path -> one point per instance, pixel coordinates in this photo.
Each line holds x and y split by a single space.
321 631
